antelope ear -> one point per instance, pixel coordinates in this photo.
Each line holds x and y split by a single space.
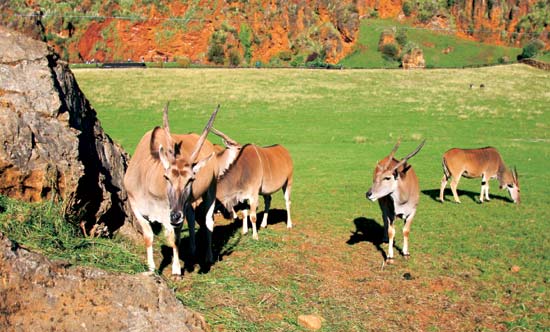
154 143
200 164
395 174
163 157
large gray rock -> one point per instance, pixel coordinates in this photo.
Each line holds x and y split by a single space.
37 294
53 145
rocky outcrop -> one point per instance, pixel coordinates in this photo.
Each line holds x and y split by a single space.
254 30
536 63
37 294
53 146
414 59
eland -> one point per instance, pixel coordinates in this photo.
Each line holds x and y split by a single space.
396 188
256 171
166 174
485 163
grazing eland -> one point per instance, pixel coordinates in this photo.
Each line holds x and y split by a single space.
485 163
396 188
166 174
256 171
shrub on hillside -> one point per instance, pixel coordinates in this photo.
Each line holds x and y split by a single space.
234 58
531 49
427 10
407 8
216 54
390 51
401 37
183 61
216 51
297 61
285 55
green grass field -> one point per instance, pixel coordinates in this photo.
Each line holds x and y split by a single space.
337 124
464 53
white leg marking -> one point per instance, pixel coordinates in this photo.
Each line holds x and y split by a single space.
287 204
150 260
391 235
406 232
148 237
253 219
254 230
170 234
210 216
245 222
267 203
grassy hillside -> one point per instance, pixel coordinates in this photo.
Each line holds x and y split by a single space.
337 124
464 52
544 57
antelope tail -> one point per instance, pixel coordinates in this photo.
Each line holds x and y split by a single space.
446 171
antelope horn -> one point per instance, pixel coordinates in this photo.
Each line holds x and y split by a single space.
202 138
515 174
167 128
165 118
392 153
227 140
409 156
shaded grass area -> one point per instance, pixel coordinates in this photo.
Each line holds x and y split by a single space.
41 227
337 124
463 52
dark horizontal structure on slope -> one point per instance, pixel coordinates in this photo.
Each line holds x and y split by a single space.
124 65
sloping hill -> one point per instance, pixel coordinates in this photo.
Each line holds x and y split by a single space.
440 49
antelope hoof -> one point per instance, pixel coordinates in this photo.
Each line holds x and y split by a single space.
148 273
457 201
255 237
407 256
390 260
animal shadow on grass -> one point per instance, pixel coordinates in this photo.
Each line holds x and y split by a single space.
220 237
275 216
448 195
368 230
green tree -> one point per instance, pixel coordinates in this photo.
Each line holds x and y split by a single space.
531 49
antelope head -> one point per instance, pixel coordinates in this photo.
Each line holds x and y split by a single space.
226 156
386 177
180 168
513 186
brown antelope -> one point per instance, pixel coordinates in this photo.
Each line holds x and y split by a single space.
395 186
165 175
485 163
256 171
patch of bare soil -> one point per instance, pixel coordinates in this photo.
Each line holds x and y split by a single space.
344 278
